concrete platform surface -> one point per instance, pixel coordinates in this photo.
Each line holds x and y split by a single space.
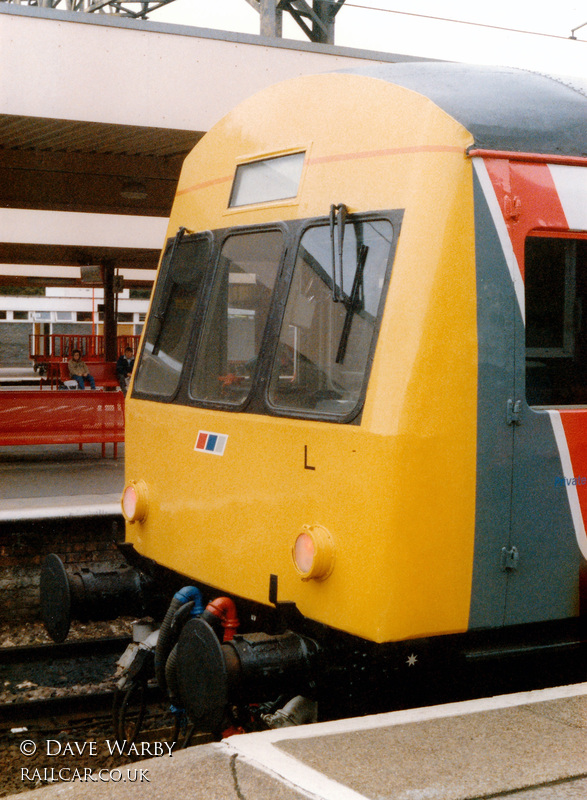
526 746
54 481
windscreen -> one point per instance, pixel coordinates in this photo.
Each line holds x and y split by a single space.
275 319
172 316
236 317
330 318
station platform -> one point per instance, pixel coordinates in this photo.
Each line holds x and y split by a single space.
18 377
57 481
526 746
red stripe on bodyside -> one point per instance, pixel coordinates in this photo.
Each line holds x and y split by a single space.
201 443
541 158
528 199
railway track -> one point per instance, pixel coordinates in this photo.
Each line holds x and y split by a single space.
79 648
46 681
58 698
81 698
45 711
73 688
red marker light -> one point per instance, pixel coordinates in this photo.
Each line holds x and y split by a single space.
134 501
304 552
313 553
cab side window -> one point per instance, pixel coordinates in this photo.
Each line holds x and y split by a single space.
556 320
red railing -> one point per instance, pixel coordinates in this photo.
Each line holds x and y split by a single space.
62 418
47 348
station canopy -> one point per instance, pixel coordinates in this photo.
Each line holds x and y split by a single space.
98 114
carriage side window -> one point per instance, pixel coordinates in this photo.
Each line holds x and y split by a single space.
172 316
556 326
328 332
237 316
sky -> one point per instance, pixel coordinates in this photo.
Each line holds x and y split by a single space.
404 27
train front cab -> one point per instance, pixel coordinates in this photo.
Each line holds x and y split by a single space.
445 493
373 466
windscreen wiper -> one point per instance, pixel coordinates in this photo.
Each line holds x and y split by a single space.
354 304
338 215
162 307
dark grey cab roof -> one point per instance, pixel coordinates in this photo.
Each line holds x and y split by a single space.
504 108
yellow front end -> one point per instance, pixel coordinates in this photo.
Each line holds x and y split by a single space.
395 490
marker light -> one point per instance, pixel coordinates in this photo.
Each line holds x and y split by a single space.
134 501
313 553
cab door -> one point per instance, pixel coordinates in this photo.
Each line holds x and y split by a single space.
496 328
549 479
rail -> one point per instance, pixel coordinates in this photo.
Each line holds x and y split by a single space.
23 712
62 418
54 662
74 649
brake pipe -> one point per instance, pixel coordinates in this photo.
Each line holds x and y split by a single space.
224 609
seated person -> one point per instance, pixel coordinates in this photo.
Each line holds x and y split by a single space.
79 372
124 367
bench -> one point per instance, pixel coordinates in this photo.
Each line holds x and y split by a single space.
31 417
104 373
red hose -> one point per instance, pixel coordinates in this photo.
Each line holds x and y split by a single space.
225 609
